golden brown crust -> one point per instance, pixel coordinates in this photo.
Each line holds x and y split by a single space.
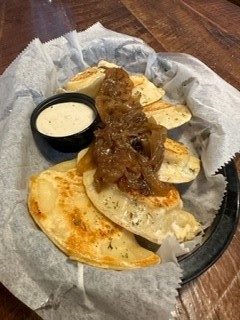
59 205
152 217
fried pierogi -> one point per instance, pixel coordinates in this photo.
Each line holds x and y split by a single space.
168 115
60 206
87 82
179 165
144 88
151 217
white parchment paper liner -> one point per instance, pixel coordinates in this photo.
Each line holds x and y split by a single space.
31 266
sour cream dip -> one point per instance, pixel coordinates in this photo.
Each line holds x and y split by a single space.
65 119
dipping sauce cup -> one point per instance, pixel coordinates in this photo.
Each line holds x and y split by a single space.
65 122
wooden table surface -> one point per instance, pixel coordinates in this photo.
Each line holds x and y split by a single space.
207 29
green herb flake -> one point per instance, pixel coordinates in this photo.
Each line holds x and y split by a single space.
110 245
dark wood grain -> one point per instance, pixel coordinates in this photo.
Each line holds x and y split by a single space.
46 21
11 308
210 31
197 28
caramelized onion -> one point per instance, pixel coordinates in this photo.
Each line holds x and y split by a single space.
129 149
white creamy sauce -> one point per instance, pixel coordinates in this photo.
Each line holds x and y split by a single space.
65 119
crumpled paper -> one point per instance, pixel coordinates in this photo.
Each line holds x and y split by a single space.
31 266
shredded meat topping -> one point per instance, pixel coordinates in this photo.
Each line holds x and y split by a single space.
128 149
